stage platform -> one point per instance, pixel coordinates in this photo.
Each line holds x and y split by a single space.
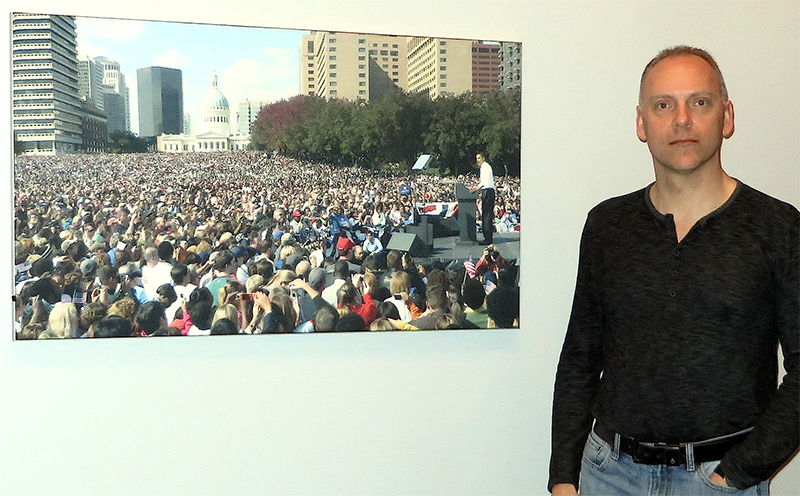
452 248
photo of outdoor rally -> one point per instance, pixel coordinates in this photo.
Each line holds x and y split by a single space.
380 200
249 242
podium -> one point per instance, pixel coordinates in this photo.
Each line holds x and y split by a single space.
467 207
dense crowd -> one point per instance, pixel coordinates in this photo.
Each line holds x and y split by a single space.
238 242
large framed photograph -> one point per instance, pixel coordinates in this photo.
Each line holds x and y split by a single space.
175 179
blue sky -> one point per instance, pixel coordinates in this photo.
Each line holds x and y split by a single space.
254 63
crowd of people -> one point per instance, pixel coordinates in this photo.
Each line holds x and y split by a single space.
238 242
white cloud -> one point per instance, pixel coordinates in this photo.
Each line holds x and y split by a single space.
109 29
271 80
171 58
89 49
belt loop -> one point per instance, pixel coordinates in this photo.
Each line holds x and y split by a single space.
615 450
690 465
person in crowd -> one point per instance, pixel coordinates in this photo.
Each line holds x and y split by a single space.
474 298
62 322
224 271
149 319
157 270
113 326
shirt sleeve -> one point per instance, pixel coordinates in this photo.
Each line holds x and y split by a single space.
776 434
578 372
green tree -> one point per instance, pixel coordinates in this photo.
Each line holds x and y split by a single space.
126 142
501 133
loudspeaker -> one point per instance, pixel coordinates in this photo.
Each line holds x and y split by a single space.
446 228
408 242
424 230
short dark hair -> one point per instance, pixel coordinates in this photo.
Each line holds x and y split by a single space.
394 259
473 293
388 309
106 272
148 317
436 296
502 305
179 273
223 260
325 319
351 322
200 313
341 269
224 326
168 292
113 326
165 250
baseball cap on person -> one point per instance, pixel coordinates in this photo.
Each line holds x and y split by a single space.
345 244
296 213
88 266
316 277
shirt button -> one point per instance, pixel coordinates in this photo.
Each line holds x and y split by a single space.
677 253
673 294
674 273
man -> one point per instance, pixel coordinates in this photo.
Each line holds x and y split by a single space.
224 271
372 244
684 290
157 268
486 187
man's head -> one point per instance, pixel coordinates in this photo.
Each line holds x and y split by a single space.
344 248
224 262
684 112
341 270
165 251
480 158
682 50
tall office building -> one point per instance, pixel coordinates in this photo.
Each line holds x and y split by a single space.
485 67
119 118
352 66
45 98
116 108
248 112
510 65
90 81
439 66
160 92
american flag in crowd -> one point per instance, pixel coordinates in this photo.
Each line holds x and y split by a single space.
469 265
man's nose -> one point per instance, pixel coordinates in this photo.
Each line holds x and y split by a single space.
683 116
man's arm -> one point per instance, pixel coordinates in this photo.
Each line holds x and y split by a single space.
776 435
578 373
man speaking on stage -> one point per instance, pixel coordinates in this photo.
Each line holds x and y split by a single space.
486 187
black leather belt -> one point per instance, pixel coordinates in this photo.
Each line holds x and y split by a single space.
671 454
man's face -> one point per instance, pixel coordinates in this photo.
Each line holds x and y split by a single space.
479 159
682 115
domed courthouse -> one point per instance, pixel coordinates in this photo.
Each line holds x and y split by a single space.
216 128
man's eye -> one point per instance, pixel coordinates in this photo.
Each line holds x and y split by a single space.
662 105
702 103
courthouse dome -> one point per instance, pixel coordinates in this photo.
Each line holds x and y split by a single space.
214 98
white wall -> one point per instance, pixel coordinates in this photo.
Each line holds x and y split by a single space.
417 413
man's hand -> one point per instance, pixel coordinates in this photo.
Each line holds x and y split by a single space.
564 490
718 479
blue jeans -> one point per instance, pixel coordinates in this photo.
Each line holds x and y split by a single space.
605 472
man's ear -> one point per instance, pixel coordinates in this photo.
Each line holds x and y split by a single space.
727 124
640 132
